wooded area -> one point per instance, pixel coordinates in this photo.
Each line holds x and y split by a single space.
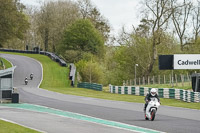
78 32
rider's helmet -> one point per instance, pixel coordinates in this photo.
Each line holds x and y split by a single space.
26 78
153 92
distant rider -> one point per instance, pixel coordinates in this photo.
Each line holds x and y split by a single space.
152 94
26 80
31 76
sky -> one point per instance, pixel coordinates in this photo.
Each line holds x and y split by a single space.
118 12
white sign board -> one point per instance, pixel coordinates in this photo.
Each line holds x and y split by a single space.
187 61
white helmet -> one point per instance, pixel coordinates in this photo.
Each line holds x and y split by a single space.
153 91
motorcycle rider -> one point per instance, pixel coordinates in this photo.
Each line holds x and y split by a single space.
31 76
152 94
26 80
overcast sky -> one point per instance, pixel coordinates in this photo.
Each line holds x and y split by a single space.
118 12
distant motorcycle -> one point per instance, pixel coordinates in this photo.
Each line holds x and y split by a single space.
152 109
26 81
31 76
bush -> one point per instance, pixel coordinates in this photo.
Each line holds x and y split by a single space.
90 71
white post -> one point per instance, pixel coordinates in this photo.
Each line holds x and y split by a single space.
135 74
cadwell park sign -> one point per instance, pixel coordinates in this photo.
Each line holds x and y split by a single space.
179 61
182 61
187 61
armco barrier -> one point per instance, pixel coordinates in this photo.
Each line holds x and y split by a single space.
184 95
93 86
49 54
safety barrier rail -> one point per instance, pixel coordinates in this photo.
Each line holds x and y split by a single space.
184 95
93 86
49 54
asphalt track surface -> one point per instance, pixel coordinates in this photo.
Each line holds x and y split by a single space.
168 119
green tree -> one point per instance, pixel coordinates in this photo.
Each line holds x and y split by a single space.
82 36
13 22
89 11
90 71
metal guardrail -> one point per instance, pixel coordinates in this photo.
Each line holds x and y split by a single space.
49 54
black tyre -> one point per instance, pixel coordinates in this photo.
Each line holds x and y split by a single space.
146 117
153 113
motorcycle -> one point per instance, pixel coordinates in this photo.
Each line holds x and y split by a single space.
26 81
31 76
152 109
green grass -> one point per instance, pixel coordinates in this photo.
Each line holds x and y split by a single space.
6 63
56 79
7 127
54 75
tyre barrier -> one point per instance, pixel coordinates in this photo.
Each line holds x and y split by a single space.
53 56
180 94
93 86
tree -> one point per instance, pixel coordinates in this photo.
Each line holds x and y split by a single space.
180 17
52 19
89 11
83 36
160 12
13 22
90 71
196 21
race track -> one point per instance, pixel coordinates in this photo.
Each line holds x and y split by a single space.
168 119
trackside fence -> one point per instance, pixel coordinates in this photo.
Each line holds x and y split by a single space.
93 86
53 56
184 95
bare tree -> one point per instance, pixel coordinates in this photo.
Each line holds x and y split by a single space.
196 21
159 13
85 8
52 19
180 18
89 11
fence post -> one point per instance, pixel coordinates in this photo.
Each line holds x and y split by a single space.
176 80
126 82
182 80
164 80
135 82
158 79
172 78
153 80
188 78
148 80
139 81
143 81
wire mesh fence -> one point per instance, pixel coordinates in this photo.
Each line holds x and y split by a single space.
175 80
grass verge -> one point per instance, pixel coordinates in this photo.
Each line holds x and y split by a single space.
6 63
7 127
53 74
56 79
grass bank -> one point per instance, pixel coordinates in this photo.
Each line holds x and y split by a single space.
6 63
54 75
7 127
56 79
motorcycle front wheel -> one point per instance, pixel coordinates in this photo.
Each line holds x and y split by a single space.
146 117
153 112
